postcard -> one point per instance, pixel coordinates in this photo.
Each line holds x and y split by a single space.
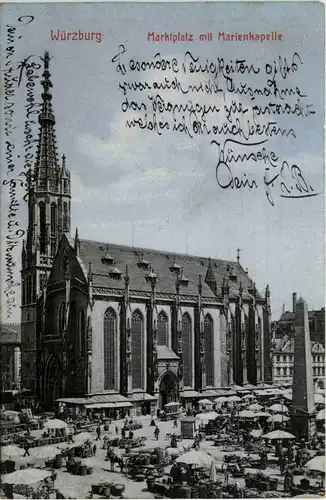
162 215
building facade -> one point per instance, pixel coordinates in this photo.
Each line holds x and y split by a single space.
285 325
283 345
10 356
283 358
119 323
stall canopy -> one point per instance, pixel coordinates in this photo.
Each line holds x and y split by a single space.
190 394
114 401
210 393
55 423
141 396
100 401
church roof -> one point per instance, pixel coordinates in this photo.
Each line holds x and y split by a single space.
162 262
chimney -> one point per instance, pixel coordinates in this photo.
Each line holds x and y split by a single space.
294 302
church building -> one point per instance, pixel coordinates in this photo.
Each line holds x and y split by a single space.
111 326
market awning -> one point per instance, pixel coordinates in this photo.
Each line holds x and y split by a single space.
74 401
190 394
210 393
101 405
141 396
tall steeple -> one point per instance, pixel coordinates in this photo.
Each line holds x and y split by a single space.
48 218
47 165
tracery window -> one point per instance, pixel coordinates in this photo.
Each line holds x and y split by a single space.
42 227
82 331
137 355
162 329
187 350
110 326
209 349
62 313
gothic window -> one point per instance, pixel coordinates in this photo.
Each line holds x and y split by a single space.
53 218
110 322
65 216
82 332
187 350
72 323
48 319
208 347
62 313
137 357
162 329
34 288
42 227
29 289
23 291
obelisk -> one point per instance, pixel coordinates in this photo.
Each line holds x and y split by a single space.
303 396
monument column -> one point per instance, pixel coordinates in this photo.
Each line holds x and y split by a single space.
303 398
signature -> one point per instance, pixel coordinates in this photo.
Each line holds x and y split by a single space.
289 179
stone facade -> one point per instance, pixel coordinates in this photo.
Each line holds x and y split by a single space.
90 313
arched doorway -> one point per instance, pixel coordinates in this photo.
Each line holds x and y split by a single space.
52 381
168 389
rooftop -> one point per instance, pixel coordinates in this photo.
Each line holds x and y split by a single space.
141 261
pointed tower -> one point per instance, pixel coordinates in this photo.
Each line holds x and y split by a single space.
303 399
210 278
48 219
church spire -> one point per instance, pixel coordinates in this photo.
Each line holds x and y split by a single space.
47 166
210 278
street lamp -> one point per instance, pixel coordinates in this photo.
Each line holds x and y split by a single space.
238 425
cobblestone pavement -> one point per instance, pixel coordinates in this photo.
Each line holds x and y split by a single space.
79 486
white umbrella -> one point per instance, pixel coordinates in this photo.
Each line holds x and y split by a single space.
255 407
197 458
26 476
288 396
278 418
317 464
278 435
262 393
212 474
275 391
321 415
247 414
249 396
9 451
207 416
234 399
262 414
55 423
205 402
279 408
221 399
83 436
169 405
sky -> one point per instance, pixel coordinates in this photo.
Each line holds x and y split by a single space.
134 187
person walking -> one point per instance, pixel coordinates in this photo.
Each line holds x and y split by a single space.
98 432
156 433
26 448
281 463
